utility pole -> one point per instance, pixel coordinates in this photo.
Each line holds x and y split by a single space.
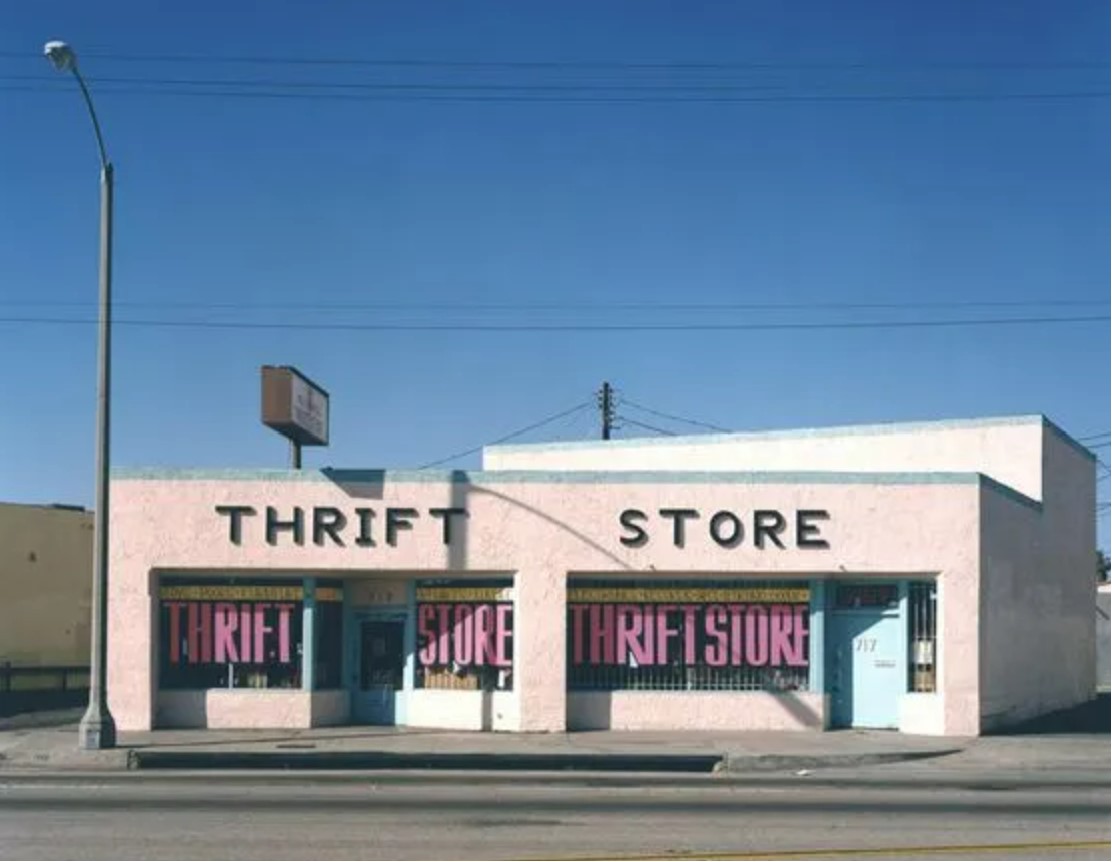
606 405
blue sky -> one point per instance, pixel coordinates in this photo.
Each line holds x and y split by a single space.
271 202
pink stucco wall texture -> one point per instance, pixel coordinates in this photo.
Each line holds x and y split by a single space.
541 529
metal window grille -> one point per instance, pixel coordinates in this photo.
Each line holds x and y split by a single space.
676 675
922 623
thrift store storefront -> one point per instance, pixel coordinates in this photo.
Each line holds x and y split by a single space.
528 601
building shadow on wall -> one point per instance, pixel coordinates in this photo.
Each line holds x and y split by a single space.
361 484
1090 717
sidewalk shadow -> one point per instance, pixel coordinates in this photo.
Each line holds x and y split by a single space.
297 736
1091 717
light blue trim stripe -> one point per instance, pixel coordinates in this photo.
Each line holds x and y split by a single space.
787 434
549 477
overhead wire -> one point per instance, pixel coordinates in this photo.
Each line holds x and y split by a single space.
505 438
561 305
446 94
622 418
561 327
608 65
623 400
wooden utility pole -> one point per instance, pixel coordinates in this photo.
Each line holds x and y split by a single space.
606 405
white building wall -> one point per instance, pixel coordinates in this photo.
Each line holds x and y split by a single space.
463 710
1006 449
1038 640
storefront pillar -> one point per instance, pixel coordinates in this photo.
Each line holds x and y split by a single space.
817 637
308 634
540 638
905 646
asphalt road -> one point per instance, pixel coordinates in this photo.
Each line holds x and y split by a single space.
302 816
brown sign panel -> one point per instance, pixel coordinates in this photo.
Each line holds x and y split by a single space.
294 406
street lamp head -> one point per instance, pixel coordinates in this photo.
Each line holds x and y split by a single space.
60 55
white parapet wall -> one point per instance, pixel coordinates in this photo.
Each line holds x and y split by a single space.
1006 449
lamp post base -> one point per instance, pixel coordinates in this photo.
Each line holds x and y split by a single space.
97 729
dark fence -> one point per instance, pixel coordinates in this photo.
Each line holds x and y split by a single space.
28 689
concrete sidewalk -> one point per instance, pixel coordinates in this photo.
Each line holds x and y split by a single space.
53 746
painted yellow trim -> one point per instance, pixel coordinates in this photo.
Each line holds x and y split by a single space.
855 852
700 595
229 593
465 594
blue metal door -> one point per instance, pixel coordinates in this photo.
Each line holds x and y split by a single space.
866 675
380 662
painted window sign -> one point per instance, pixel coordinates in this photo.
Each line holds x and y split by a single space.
713 635
234 634
465 635
688 636
205 632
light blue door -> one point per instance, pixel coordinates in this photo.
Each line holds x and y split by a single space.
380 664
866 674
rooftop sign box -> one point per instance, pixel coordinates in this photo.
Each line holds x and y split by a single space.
294 406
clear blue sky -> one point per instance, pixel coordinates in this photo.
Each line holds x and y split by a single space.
270 201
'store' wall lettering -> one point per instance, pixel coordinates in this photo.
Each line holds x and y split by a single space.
762 528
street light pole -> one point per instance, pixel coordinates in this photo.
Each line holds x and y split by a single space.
98 729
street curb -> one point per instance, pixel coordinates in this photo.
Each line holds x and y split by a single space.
716 763
384 760
781 762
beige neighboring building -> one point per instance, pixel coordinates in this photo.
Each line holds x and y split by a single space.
46 555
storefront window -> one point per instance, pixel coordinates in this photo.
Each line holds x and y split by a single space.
465 635
688 636
922 614
233 633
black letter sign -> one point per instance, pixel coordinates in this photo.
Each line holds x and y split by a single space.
446 514
735 532
235 520
273 525
397 519
805 530
768 522
639 537
328 521
678 516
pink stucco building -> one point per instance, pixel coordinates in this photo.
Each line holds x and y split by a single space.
933 578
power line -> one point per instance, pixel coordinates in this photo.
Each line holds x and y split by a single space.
663 415
318 87
562 327
645 425
565 305
604 65
659 98
509 436
406 86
